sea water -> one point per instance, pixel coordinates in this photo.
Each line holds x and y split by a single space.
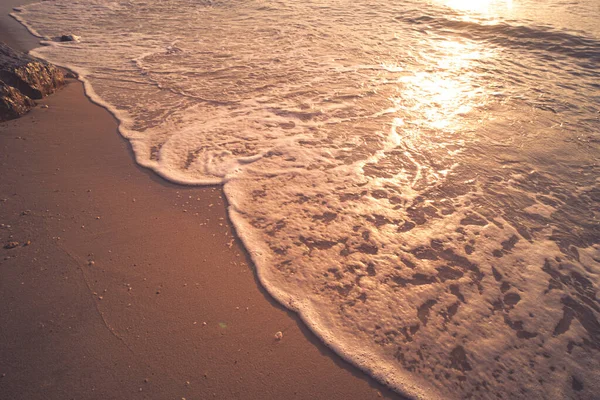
418 179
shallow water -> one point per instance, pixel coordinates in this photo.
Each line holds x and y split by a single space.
419 180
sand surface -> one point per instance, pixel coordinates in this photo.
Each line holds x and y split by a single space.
126 286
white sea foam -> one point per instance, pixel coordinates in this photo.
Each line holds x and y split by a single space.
415 184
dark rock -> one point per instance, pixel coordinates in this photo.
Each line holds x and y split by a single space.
32 77
69 38
13 103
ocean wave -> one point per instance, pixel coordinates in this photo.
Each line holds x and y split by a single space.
543 39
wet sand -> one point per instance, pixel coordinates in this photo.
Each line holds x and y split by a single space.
124 285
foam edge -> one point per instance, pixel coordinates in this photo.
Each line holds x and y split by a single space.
20 20
400 383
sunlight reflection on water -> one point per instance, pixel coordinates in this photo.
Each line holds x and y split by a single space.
479 6
440 96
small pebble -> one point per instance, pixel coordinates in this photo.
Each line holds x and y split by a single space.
279 335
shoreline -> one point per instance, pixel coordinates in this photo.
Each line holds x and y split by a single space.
12 32
110 298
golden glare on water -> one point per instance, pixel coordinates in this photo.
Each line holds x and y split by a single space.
479 6
436 101
441 95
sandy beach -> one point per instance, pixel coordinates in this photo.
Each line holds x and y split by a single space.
124 285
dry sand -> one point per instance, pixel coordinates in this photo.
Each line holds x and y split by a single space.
126 286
